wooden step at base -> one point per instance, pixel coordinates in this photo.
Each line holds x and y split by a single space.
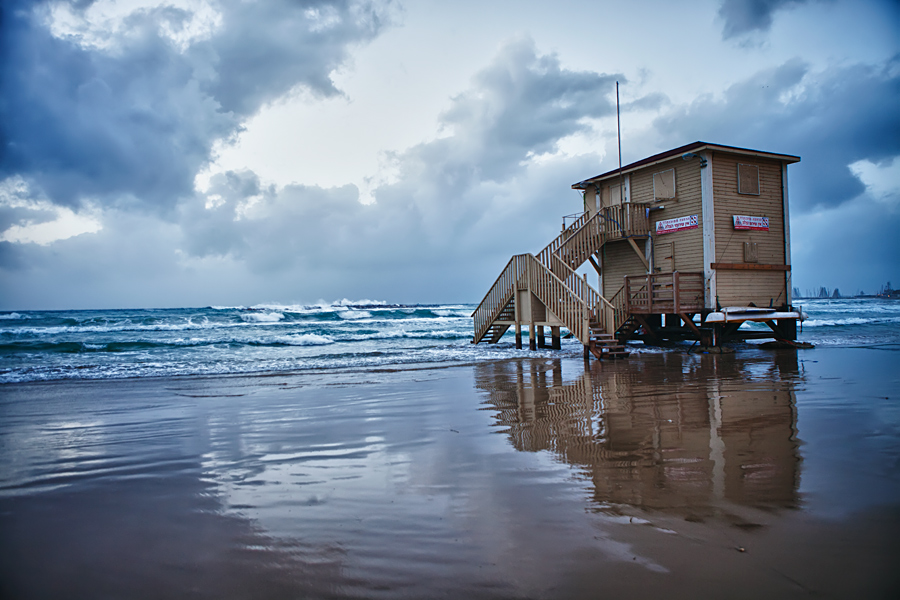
612 350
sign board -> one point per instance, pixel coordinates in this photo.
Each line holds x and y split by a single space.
754 223
677 224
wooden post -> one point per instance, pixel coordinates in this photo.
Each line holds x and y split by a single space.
518 336
541 339
532 336
677 304
627 295
554 338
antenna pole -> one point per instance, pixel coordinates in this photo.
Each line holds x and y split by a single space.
619 137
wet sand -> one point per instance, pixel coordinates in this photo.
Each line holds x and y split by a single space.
763 473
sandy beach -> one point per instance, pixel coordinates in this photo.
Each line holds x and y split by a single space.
755 474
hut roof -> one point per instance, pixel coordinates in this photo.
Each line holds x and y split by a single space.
692 147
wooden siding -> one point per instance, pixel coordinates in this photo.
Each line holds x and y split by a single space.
619 261
739 288
590 201
687 201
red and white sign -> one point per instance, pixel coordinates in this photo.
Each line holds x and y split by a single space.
677 224
754 223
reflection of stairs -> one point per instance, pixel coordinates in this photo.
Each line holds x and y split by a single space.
605 345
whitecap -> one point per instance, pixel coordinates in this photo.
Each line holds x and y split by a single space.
354 314
366 302
847 321
12 316
307 339
267 317
451 312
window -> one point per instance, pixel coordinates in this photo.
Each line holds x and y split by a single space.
748 179
664 185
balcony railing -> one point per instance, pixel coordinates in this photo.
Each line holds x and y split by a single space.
665 293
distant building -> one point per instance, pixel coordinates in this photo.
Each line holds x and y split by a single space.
697 231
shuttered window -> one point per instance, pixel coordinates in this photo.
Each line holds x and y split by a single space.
748 179
664 185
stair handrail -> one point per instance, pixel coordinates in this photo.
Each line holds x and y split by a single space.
620 314
586 234
497 297
590 296
560 298
559 240
596 231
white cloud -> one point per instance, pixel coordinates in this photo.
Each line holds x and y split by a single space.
104 23
882 180
39 220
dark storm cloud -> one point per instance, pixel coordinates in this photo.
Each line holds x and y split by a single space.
832 119
474 193
747 16
132 124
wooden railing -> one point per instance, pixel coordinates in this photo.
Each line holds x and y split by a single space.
613 313
498 296
568 232
664 293
560 287
565 299
567 303
609 224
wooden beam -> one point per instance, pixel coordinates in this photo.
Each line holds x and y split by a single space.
596 266
748 267
779 334
690 323
640 254
647 328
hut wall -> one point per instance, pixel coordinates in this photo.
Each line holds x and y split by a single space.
688 244
619 260
739 288
590 201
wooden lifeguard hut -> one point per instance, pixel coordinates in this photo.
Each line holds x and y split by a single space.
690 243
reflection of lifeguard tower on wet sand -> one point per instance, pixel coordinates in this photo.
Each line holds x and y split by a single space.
690 243
682 442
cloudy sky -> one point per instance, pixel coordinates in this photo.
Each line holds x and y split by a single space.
233 152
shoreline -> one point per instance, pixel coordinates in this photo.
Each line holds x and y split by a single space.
744 350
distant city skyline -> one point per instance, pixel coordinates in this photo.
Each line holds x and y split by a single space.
224 152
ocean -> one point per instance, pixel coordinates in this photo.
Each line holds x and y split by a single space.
128 343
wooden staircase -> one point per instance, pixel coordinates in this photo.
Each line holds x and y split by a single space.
605 345
551 278
502 323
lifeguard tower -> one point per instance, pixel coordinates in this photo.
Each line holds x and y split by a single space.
690 243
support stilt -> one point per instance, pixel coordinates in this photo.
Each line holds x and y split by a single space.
532 337
554 338
518 331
